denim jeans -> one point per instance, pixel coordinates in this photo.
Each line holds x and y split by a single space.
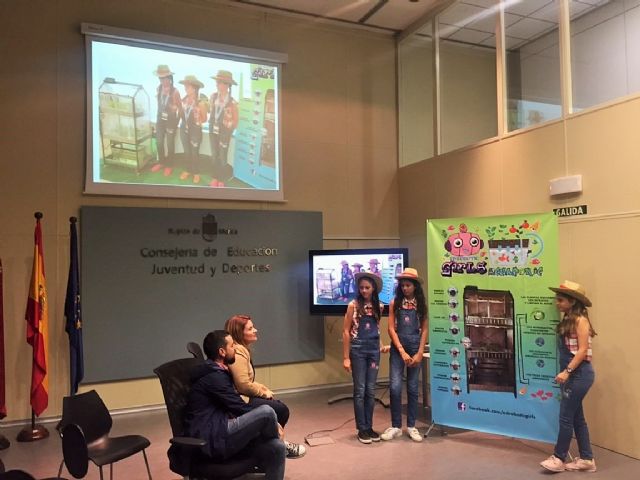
165 156
282 411
260 428
191 140
572 415
365 362
396 370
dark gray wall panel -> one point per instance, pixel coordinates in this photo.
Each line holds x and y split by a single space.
148 285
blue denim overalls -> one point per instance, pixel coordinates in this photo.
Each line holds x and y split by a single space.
408 330
365 360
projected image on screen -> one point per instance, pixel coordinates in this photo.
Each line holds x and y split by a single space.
333 275
175 119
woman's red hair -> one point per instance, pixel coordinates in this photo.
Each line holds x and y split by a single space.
235 327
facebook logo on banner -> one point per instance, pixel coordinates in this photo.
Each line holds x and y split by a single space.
462 406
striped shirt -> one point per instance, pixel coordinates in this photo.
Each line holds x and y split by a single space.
571 342
355 320
409 304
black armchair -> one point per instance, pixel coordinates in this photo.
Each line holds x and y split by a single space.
185 453
194 349
85 428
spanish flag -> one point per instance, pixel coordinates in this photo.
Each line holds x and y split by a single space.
37 317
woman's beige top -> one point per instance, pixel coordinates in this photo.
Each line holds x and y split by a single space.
243 375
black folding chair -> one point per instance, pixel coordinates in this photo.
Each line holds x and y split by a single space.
85 426
16 475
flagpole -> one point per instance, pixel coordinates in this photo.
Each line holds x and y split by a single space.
34 432
4 442
73 312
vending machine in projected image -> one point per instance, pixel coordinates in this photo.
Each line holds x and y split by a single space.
125 128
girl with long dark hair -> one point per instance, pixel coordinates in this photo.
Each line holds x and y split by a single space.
576 376
408 332
361 350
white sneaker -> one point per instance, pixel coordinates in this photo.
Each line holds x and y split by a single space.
414 434
391 433
553 464
580 465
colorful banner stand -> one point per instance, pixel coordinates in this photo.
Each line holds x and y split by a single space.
491 321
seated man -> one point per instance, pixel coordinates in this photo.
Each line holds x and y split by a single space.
215 412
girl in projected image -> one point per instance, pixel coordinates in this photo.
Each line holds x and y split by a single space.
361 350
575 378
346 280
244 334
373 266
169 113
408 332
195 113
222 121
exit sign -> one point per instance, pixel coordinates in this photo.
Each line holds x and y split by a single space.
570 211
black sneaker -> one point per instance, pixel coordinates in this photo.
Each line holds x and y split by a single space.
364 436
375 436
294 450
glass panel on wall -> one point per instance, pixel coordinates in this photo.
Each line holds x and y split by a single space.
605 50
533 62
467 73
415 77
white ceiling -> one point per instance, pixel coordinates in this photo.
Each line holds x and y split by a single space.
473 21
390 15
469 21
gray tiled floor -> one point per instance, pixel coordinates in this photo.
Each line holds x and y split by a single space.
459 455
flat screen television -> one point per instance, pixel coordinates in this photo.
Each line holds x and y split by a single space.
331 276
178 117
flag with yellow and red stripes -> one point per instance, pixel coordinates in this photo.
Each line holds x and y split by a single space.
37 317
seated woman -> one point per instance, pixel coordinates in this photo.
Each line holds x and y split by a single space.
244 334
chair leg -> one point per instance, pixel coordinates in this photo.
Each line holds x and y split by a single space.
146 462
100 472
60 469
111 471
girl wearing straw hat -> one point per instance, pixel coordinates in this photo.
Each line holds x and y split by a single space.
195 113
169 113
223 119
575 378
361 350
346 280
408 332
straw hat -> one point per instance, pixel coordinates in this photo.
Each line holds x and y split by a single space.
371 276
163 71
374 261
225 76
192 80
573 290
410 274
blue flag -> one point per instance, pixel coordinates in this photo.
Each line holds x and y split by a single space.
73 313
